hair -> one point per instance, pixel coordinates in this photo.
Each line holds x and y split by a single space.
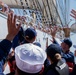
28 38
56 58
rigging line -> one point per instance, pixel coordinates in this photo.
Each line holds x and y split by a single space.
68 3
53 10
65 12
45 9
63 15
38 5
34 3
57 13
57 4
40 9
50 11
61 9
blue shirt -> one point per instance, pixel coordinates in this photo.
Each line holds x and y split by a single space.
5 46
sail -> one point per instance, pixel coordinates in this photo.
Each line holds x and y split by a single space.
47 9
73 28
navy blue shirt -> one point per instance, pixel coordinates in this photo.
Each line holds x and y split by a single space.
68 56
5 46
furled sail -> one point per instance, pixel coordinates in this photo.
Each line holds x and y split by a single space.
73 28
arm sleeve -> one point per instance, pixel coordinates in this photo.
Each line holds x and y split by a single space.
5 46
51 72
69 57
55 42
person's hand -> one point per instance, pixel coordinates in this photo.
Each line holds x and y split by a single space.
66 31
53 39
12 28
73 13
1 3
53 31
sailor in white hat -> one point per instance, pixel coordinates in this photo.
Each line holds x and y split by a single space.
29 59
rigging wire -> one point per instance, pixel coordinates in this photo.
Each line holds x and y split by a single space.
66 12
68 7
45 11
62 9
50 11
56 12
40 9
57 6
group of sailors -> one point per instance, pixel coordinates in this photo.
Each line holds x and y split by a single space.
26 57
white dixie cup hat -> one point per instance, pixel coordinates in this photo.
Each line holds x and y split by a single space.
30 58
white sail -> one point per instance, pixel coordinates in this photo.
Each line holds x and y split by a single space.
73 28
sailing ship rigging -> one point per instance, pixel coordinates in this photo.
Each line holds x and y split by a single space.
43 12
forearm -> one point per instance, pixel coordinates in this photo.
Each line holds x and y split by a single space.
55 42
68 57
5 46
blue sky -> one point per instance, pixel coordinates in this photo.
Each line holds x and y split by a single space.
72 6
